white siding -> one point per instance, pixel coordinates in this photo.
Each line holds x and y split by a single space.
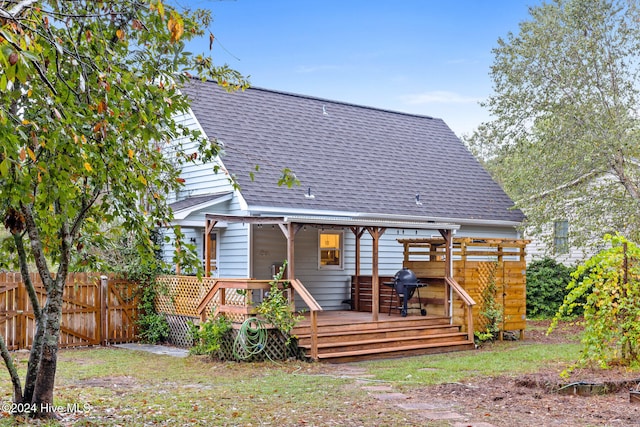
539 248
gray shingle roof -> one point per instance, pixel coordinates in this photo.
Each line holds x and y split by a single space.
354 158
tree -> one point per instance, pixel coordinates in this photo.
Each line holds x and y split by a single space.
89 92
607 287
564 141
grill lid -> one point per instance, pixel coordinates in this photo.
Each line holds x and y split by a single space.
405 277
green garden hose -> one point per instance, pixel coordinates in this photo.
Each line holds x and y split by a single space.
251 339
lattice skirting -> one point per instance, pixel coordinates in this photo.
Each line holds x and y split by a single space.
276 348
179 330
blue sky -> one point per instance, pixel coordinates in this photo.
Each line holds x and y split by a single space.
419 56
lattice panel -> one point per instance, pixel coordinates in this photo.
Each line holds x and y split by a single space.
237 297
275 348
179 330
486 273
183 295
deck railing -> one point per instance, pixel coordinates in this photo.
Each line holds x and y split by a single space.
234 298
314 308
468 304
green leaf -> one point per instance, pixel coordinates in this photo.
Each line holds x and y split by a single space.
4 167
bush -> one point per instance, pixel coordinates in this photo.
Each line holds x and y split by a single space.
153 326
547 282
207 337
607 287
275 307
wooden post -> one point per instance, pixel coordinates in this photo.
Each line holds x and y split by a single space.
470 331
448 266
357 231
314 334
103 317
376 233
21 317
291 271
208 228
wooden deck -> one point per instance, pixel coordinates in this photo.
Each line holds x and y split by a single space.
345 336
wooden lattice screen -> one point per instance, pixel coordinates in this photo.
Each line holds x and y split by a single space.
178 301
477 262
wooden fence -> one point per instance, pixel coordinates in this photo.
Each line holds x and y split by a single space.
96 310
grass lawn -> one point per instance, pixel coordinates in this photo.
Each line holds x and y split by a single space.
109 386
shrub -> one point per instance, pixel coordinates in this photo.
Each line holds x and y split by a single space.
152 326
208 336
275 307
547 282
607 287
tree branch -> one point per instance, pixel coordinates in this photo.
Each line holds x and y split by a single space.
13 372
16 10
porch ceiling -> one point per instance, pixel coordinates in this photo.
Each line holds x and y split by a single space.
412 224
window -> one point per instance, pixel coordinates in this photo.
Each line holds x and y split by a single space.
330 247
561 237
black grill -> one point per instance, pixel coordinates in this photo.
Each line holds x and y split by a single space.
404 285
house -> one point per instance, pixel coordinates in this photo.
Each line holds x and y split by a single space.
368 179
585 210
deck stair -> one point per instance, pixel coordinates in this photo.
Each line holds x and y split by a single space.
415 335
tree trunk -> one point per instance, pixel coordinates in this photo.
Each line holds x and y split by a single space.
40 318
45 381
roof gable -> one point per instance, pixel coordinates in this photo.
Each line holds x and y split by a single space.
352 158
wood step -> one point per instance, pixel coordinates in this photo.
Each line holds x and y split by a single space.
381 344
337 326
347 336
398 351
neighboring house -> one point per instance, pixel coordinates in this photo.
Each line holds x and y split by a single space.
358 167
557 239
555 244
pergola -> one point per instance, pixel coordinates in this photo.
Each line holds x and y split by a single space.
376 227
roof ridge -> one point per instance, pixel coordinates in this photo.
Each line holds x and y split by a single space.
327 100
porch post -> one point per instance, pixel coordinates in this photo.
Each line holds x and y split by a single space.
448 267
375 232
289 230
208 227
178 250
358 232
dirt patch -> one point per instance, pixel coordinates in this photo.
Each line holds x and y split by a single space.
539 399
106 382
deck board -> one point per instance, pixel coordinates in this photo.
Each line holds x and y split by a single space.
345 317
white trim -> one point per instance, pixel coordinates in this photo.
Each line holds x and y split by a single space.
197 224
340 266
183 213
249 240
257 210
